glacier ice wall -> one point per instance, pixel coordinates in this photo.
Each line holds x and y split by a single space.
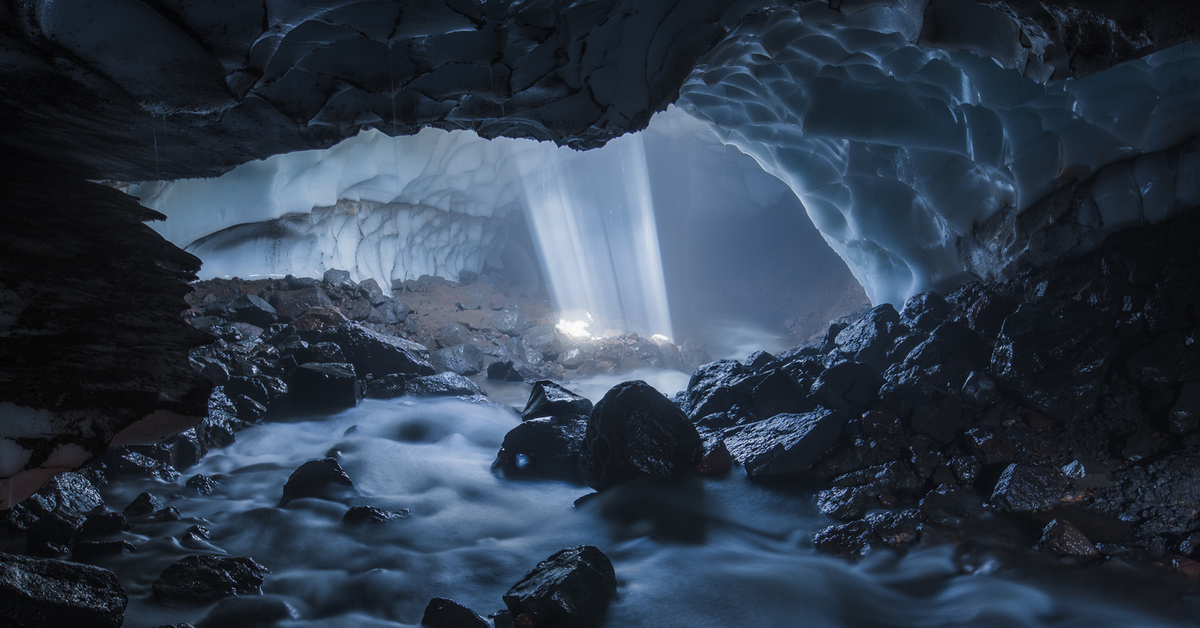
435 203
901 152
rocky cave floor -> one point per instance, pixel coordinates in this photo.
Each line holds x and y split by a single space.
1051 421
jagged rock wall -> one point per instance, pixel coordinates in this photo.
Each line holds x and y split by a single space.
133 91
91 342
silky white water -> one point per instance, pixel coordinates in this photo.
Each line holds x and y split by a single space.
472 535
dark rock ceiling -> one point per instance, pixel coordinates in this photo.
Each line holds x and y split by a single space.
162 89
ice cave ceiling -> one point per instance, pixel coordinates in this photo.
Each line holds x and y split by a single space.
930 140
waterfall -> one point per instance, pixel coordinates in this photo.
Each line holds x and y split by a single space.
593 219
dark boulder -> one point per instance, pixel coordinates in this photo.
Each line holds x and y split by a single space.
509 322
443 385
319 387
202 484
544 448
104 523
292 303
895 528
635 432
869 340
944 508
386 387
779 393
206 579
248 308
376 354
550 399
925 311
371 514
1055 356
844 502
389 312
1027 487
45 593
89 550
547 340
571 588
979 389
847 540
759 360
324 479
444 613
952 352
143 504
322 352
716 387
847 385
255 611
504 370
786 444
1064 539
453 334
464 359
943 422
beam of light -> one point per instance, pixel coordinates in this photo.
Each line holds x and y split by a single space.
593 219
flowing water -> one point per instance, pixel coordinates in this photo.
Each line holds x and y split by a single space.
713 552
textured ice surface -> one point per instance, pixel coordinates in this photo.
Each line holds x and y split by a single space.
900 152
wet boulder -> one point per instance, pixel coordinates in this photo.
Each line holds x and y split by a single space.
952 351
944 508
543 448
464 359
547 340
636 432
846 540
206 579
45 593
1055 356
453 334
1063 538
443 385
290 304
847 385
376 354
320 387
1027 487
371 514
509 322
143 504
717 387
571 588
844 502
386 387
925 311
787 444
248 308
445 613
202 484
895 528
869 339
389 312
323 479
505 371
779 393
548 399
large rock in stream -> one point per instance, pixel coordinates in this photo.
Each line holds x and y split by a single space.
571 588
46 593
636 432
206 579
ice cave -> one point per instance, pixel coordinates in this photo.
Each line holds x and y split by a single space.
587 313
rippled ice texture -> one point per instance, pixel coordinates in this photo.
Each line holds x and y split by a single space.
472 535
